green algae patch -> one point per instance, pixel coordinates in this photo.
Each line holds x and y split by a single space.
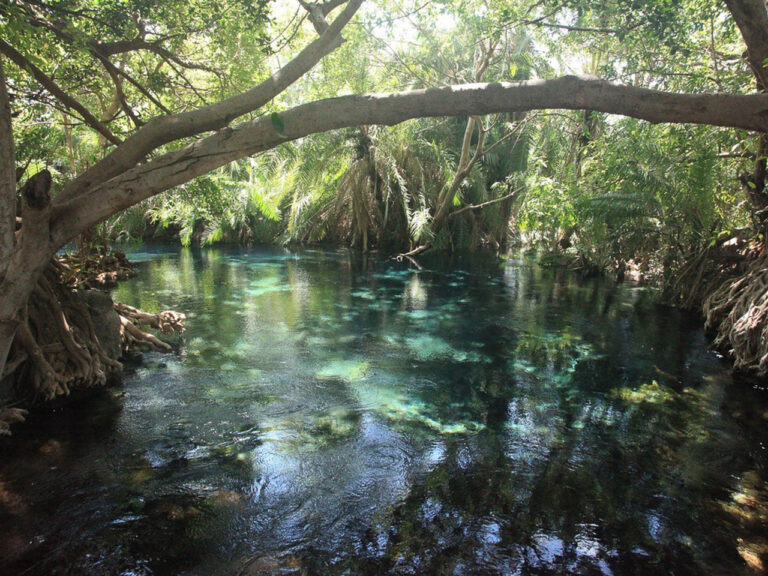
347 370
650 393
267 285
401 410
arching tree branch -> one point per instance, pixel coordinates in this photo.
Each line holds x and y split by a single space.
75 214
115 72
108 49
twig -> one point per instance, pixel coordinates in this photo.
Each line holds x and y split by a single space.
414 252
484 204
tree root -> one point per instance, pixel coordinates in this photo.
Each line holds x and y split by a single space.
167 322
100 270
58 348
10 416
133 337
729 282
704 272
738 312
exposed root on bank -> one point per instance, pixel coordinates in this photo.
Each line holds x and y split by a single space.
131 335
10 416
100 270
71 338
705 271
728 281
738 313
56 347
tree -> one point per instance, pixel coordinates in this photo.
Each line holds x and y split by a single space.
157 155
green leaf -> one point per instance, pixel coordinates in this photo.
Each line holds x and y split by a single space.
277 122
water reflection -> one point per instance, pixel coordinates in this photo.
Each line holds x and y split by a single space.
331 413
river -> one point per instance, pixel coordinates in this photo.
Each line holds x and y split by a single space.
332 413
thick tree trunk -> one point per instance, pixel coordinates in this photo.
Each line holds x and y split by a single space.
30 255
7 178
8 309
751 17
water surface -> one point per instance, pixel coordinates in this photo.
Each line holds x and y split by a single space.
331 413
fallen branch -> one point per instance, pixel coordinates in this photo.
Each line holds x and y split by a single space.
484 204
414 252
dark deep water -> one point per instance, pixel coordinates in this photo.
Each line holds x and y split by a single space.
334 414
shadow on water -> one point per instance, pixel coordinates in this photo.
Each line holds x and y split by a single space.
332 413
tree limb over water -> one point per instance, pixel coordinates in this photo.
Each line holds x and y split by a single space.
71 216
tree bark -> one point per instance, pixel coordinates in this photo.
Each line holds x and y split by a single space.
8 323
7 177
28 259
752 19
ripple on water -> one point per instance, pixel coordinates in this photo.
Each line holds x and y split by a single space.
330 414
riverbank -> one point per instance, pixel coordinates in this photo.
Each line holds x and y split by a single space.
73 336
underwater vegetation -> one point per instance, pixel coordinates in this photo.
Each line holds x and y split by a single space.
331 413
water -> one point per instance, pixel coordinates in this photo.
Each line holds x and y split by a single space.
329 413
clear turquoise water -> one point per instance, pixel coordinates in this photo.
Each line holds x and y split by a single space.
331 413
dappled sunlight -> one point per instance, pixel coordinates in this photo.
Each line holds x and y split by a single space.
500 419
347 370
